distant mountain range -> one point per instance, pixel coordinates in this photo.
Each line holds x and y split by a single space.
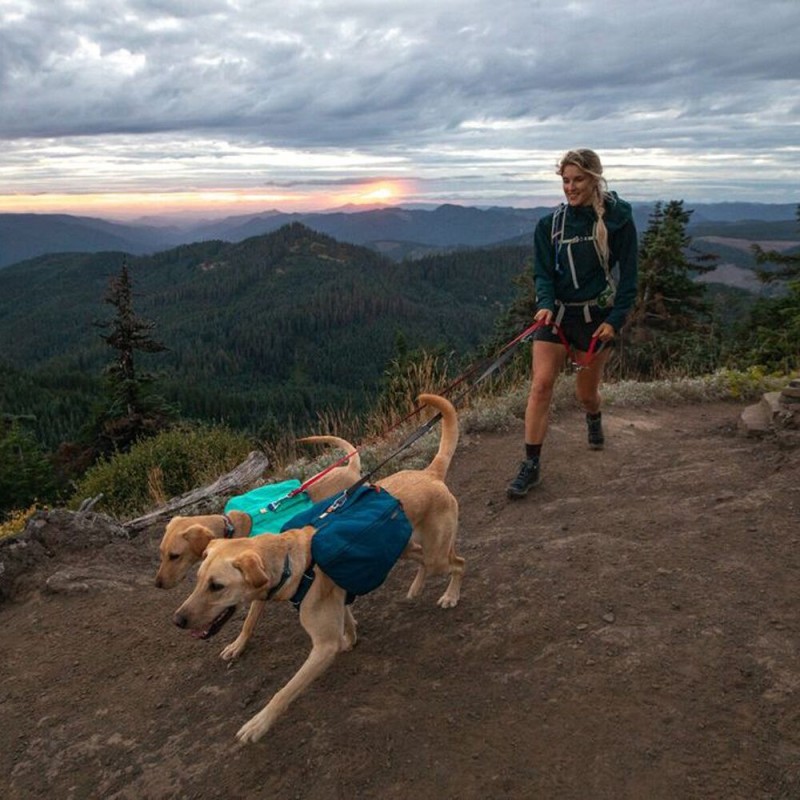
395 231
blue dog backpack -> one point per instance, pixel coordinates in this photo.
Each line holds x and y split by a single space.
358 540
269 506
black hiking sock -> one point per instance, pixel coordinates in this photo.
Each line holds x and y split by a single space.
532 451
594 427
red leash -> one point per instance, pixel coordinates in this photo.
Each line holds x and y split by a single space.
586 361
499 359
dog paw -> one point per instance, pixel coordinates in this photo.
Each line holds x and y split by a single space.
251 731
231 652
447 601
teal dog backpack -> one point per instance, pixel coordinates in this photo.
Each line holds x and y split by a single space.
359 538
270 506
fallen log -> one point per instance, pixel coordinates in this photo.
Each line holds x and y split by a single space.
208 499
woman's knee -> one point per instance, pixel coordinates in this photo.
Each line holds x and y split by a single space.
541 390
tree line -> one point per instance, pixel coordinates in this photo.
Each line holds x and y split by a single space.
327 338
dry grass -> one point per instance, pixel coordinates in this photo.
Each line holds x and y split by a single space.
504 411
479 413
17 520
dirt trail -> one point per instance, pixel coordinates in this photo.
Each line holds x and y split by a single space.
629 630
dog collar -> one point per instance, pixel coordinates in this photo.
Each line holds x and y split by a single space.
230 528
287 573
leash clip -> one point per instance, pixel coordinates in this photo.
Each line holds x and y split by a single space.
335 505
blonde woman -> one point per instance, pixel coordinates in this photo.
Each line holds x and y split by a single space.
585 269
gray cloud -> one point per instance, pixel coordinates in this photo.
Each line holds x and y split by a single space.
431 89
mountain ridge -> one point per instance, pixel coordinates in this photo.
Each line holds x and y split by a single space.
395 230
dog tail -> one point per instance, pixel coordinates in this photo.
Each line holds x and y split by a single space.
449 438
342 444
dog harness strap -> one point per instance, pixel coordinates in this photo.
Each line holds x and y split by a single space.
230 528
306 579
287 573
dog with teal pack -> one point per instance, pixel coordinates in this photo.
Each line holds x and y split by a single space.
415 510
264 510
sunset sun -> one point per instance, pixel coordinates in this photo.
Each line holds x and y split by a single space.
382 193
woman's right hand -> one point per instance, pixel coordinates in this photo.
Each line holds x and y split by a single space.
543 314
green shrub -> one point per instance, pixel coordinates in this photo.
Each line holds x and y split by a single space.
164 466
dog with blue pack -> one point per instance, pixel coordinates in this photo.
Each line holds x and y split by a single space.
330 554
264 509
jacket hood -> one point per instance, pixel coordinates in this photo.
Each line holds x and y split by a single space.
618 212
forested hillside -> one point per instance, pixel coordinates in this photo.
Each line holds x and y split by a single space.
272 329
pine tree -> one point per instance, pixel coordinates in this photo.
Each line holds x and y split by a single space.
671 325
770 337
669 298
789 262
131 409
26 475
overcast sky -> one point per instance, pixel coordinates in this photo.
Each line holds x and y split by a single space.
300 104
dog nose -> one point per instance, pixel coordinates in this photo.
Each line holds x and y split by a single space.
180 620
159 582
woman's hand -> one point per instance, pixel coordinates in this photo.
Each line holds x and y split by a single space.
544 314
605 332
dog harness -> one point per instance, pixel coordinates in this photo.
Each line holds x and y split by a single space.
358 539
270 506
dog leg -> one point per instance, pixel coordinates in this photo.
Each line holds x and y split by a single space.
350 635
419 581
236 647
324 617
319 659
453 592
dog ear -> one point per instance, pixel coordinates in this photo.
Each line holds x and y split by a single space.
252 567
198 537
242 522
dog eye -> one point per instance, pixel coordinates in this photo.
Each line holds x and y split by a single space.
174 556
215 587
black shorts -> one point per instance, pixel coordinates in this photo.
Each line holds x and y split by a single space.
575 329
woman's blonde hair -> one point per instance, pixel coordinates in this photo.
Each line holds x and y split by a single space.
589 162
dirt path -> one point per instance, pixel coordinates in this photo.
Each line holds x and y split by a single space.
630 630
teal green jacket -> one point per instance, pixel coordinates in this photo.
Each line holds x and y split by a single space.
568 268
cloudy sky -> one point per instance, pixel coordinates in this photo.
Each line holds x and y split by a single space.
130 107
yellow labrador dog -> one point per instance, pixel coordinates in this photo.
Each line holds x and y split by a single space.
186 538
237 571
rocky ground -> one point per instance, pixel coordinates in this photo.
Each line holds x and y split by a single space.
629 630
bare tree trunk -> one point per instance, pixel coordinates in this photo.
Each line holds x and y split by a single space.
208 499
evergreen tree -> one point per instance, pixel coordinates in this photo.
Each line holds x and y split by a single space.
26 475
671 326
669 297
789 263
770 336
132 410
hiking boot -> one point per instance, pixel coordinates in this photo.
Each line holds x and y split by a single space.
595 428
527 478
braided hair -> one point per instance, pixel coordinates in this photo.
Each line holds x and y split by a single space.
589 162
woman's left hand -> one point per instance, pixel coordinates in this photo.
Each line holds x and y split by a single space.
605 332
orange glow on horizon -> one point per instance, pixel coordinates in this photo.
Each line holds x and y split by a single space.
133 204
227 201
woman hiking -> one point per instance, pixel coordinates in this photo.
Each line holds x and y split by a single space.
585 270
